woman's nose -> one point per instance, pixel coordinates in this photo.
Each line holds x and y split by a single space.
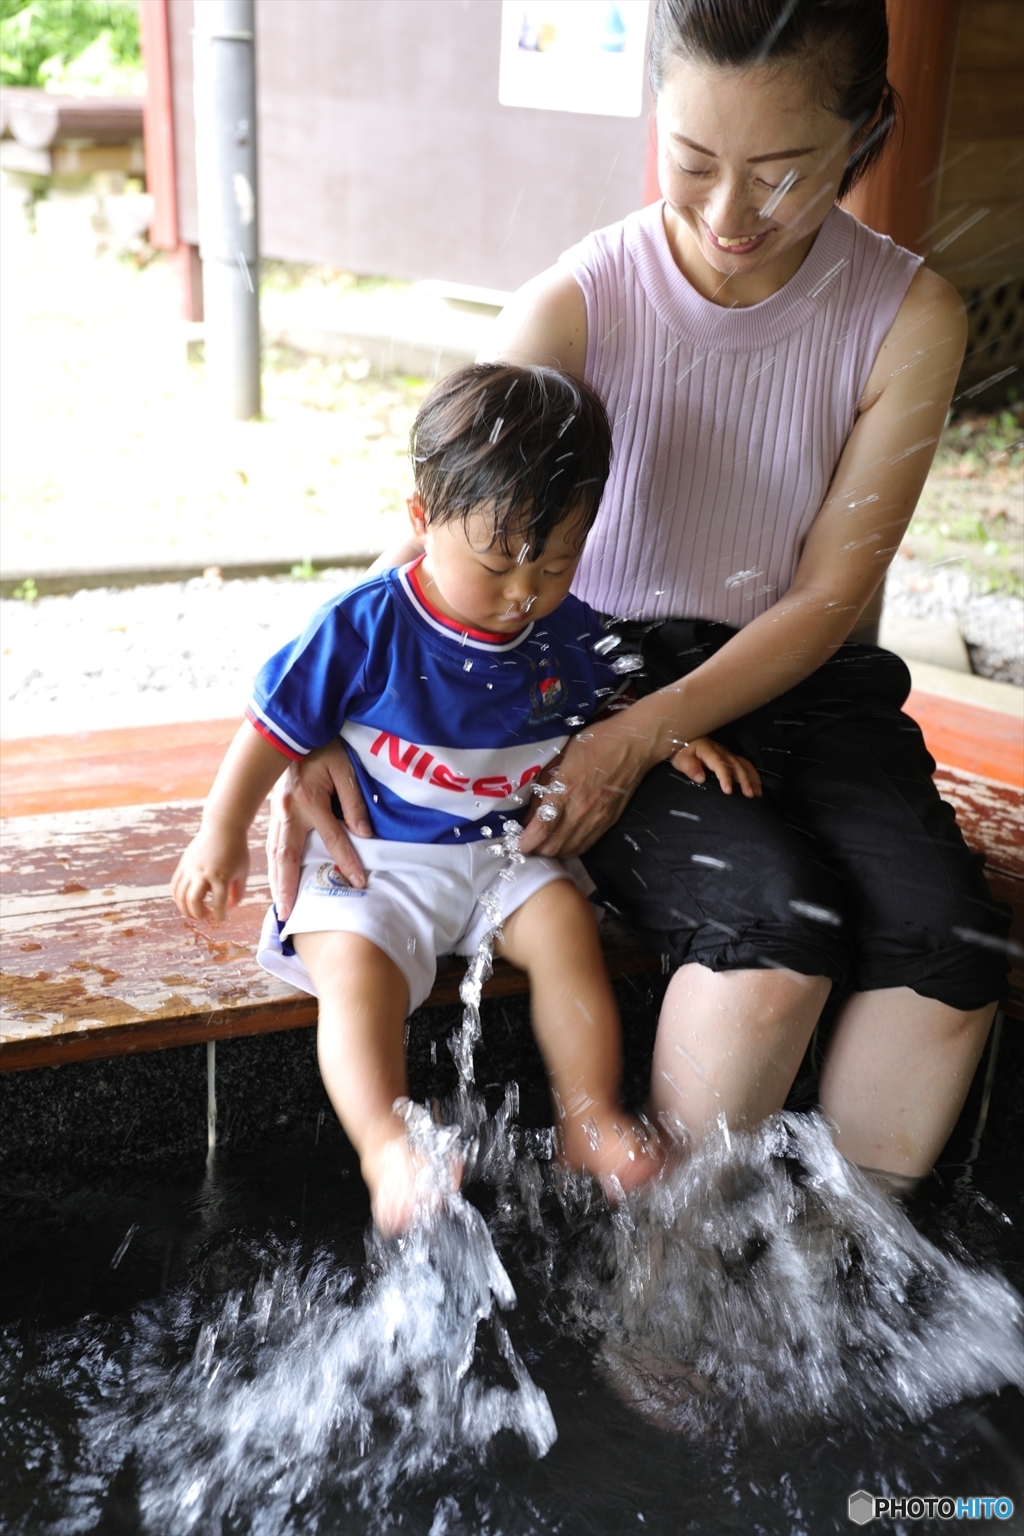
729 211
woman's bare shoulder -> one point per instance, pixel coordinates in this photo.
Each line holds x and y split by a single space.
925 341
545 322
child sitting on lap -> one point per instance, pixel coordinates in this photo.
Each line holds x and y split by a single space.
454 681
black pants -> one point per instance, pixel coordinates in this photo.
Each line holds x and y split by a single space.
850 867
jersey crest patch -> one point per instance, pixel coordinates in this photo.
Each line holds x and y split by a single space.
547 696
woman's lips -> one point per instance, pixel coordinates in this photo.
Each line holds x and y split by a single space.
735 245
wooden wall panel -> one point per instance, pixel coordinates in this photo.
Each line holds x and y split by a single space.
978 239
982 171
987 103
383 147
993 35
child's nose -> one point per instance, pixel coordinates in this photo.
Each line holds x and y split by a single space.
520 587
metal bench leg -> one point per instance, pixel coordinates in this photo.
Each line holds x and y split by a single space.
211 1096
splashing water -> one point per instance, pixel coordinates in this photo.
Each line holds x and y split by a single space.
299 1381
765 1282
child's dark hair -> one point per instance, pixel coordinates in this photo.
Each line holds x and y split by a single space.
844 43
532 442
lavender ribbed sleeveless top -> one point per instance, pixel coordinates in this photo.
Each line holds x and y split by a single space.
727 423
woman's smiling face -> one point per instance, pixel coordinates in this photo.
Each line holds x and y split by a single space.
749 165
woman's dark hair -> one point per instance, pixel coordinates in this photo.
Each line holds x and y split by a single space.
532 442
845 43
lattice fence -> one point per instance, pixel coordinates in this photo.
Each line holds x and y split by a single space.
995 338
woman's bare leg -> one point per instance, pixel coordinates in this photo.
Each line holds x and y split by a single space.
361 1047
730 1043
898 1070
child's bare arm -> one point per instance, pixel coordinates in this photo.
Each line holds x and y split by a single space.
701 753
214 867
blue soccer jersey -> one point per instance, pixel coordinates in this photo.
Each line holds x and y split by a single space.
446 726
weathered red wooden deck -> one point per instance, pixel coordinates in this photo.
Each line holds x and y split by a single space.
97 962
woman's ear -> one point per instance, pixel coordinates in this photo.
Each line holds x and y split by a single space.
417 514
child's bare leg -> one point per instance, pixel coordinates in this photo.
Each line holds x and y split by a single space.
553 937
361 1047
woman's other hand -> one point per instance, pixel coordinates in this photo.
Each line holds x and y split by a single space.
301 803
728 767
599 771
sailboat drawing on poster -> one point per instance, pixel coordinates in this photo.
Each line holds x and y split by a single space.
574 55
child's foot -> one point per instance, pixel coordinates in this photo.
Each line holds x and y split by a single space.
618 1150
402 1185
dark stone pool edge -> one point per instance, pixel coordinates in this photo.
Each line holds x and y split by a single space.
139 1110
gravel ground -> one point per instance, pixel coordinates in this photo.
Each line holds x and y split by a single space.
992 623
105 658
150 655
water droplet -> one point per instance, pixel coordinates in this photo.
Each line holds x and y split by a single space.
609 643
623 664
572 721
547 813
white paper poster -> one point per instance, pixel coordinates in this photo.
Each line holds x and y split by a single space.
574 55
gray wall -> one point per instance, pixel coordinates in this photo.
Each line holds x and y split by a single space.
383 149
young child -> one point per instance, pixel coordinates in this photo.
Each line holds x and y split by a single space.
454 682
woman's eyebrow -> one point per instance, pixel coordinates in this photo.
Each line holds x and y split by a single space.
779 154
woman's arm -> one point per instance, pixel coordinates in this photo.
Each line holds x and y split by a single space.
869 504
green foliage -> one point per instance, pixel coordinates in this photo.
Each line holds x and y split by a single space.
304 571
26 591
995 437
88 45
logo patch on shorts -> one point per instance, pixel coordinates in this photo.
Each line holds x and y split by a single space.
329 881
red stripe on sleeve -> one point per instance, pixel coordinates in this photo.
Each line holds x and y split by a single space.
268 735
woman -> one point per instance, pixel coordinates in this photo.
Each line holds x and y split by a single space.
777 378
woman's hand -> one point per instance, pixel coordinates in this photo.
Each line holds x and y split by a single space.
695 756
599 769
301 803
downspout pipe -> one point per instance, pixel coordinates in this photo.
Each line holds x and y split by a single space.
225 110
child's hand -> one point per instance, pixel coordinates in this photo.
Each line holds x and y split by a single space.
214 869
702 752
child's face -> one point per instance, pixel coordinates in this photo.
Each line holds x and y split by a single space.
471 579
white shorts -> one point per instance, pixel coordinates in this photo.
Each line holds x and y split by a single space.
421 900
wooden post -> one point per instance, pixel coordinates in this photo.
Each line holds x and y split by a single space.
158 125
899 196
161 165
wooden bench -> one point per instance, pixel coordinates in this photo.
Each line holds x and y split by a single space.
95 961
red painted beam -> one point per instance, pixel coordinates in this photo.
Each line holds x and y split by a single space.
150 764
158 124
960 735
900 195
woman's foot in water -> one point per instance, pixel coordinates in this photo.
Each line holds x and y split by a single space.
619 1151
